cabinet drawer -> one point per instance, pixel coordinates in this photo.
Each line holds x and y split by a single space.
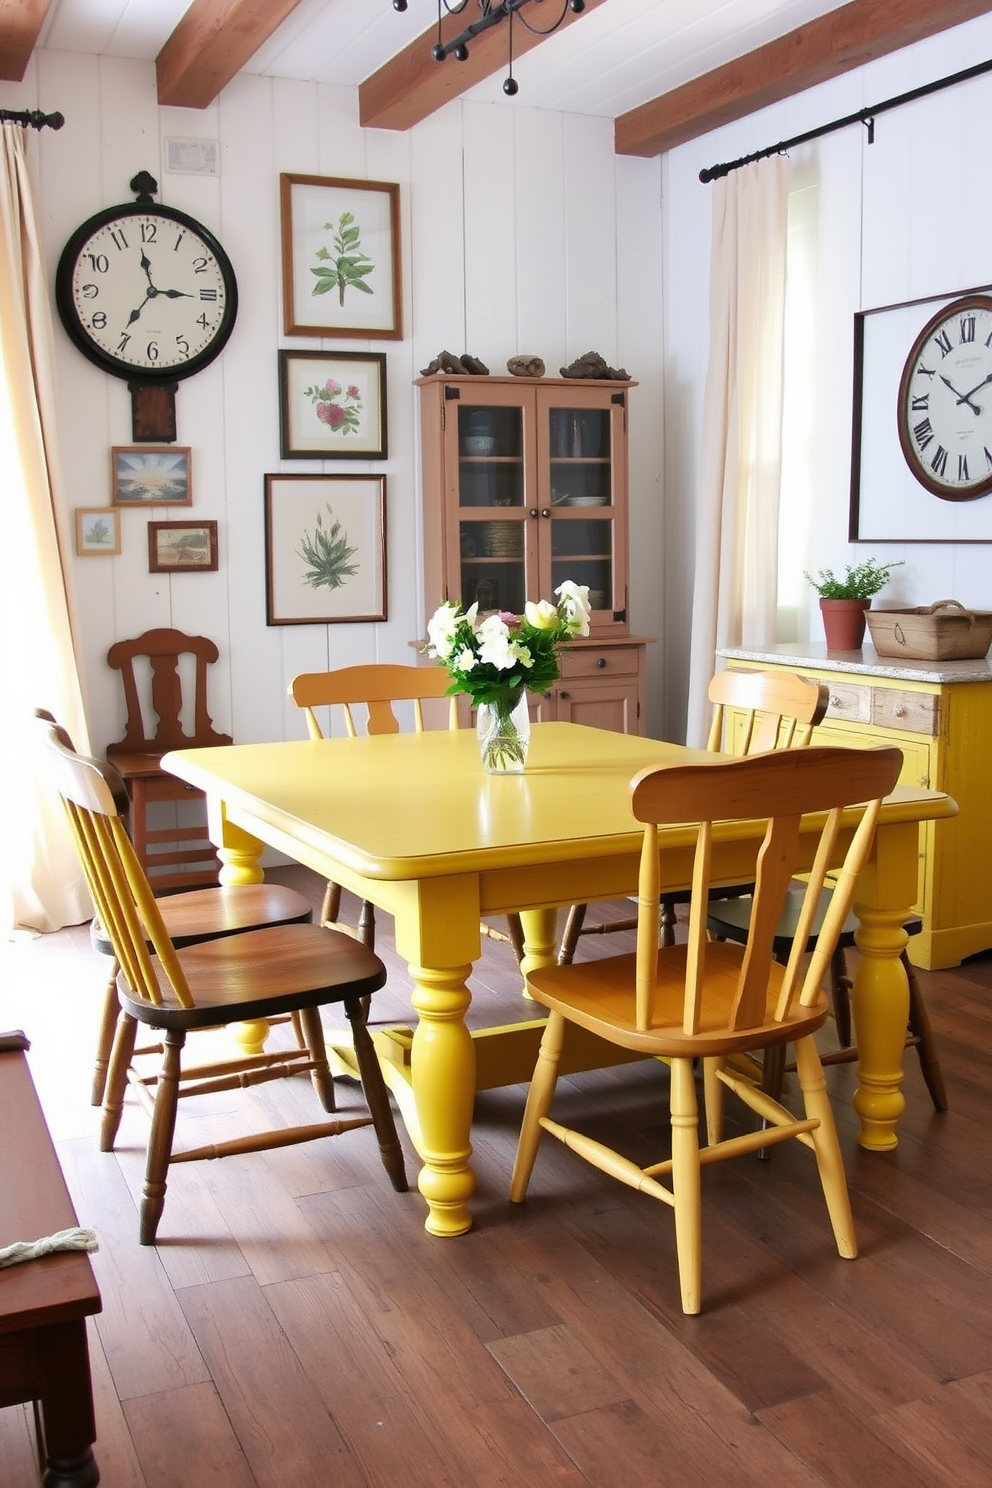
609 661
851 703
914 712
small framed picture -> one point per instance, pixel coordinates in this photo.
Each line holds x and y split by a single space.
325 549
182 547
150 475
331 406
340 257
98 530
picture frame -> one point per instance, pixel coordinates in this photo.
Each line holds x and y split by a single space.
325 549
98 531
182 547
332 405
151 475
887 502
340 257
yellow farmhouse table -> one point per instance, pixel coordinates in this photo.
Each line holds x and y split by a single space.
413 824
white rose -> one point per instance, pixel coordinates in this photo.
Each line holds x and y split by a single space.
495 646
441 630
575 598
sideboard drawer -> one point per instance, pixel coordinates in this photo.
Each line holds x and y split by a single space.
610 661
913 712
849 702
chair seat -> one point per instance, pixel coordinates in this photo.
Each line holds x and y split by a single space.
731 919
599 996
260 974
209 914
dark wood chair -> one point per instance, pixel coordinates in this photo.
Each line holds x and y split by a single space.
770 710
152 667
368 695
715 1001
252 977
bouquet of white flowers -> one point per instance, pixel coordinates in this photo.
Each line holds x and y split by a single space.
499 659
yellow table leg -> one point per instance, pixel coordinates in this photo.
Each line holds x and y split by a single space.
240 853
880 1007
540 927
443 1065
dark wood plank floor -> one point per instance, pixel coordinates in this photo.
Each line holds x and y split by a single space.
297 1325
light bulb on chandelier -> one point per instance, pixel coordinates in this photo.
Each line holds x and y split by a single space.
491 14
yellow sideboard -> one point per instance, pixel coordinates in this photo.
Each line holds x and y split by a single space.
940 716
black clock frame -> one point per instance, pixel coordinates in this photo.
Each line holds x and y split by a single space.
96 354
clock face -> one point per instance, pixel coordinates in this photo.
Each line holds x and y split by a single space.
945 401
146 292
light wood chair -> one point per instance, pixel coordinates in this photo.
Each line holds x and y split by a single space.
717 1001
368 696
189 918
250 977
151 668
773 710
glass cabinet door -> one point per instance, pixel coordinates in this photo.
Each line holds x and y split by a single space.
492 514
582 465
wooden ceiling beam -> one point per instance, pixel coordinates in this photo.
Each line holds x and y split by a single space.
212 42
837 42
412 86
20 24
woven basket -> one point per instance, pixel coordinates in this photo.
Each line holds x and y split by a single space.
504 539
924 635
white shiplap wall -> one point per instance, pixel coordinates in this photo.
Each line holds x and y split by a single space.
521 232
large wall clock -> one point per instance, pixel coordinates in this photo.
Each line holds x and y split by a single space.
148 294
945 401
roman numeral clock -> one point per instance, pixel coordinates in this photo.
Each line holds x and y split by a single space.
148 294
945 401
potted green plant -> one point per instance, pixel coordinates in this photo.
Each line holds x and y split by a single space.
843 601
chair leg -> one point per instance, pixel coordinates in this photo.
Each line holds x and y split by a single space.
686 1185
366 925
829 1162
923 1039
539 1098
330 909
840 993
714 1099
116 1083
105 1035
515 935
320 1075
668 923
570 938
160 1140
376 1095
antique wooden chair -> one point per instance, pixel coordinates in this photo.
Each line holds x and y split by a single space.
245 978
375 690
715 1001
771 710
151 668
189 918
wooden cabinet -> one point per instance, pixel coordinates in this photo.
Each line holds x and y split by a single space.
940 715
525 485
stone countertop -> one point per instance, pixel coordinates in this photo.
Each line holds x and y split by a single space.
865 662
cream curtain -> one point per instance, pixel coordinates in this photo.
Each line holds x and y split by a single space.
736 574
40 883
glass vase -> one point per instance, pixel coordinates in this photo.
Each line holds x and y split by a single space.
503 729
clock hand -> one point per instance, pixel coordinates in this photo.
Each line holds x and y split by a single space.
963 397
966 398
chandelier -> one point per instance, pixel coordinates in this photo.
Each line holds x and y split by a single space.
490 14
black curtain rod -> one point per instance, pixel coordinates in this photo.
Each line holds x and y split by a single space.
864 116
33 118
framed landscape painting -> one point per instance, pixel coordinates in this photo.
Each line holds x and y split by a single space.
182 547
340 257
332 406
150 475
325 549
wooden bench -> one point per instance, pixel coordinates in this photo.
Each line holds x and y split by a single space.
44 1303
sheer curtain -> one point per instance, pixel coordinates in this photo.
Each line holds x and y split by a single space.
735 590
40 884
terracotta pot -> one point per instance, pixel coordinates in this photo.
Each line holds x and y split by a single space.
844 623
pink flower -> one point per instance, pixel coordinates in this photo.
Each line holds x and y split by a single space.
354 393
330 414
511 621
332 388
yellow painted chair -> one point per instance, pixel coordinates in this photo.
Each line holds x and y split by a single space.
252 977
717 1001
368 695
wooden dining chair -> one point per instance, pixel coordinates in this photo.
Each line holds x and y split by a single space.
254 976
368 697
152 668
190 918
752 712
716 1001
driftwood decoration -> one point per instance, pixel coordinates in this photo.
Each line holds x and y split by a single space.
462 366
526 366
592 365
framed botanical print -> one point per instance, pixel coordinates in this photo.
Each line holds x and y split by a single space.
325 549
182 547
332 406
340 257
98 531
